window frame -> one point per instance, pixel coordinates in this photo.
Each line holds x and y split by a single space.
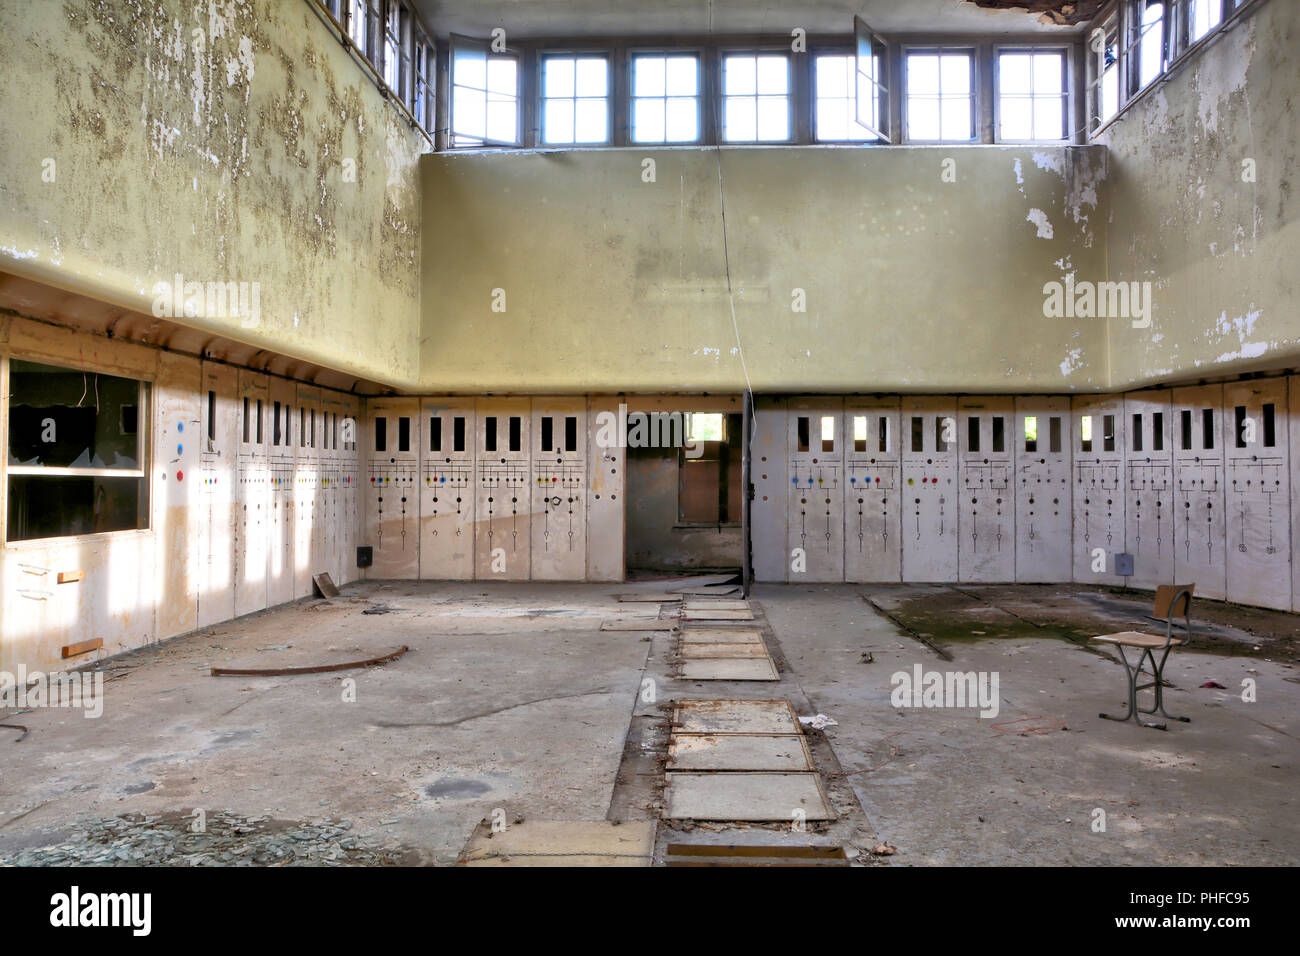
1066 96
971 50
146 396
884 84
719 95
521 135
612 96
849 53
628 98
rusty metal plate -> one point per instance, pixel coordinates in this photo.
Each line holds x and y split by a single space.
723 615
729 668
734 717
784 752
637 624
788 797
701 651
720 635
731 854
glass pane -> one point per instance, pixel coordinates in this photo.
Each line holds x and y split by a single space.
41 507
922 118
832 121
1016 118
648 121
955 76
1015 74
501 76
773 74
832 76
65 418
738 120
592 77
648 76
1205 17
869 103
589 122
557 76
1049 119
502 120
683 122
922 73
1109 93
956 119
739 76
773 118
469 112
1048 73
557 121
470 67
682 76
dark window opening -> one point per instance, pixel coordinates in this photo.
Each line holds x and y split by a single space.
999 434
516 429
1157 431
245 421
1137 432
1108 432
1207 428
1240 414
547 433
884 433
404 433
381 433
1270 435
972 433
571 433
490 433
918 433
940 442
275 424
1054 434
458 433
1185 428
435 433
212 416
803 432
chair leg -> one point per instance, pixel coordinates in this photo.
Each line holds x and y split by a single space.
1133 712
1160 689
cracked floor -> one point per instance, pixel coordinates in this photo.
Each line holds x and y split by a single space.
512 699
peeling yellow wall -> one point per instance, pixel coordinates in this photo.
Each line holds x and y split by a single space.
613 283
211 139
1220 250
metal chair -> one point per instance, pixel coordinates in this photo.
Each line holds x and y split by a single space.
1147 644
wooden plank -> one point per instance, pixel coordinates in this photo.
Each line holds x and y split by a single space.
71 577
82 647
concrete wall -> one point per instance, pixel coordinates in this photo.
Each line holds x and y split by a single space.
614 283
216 141
1219 250
233 527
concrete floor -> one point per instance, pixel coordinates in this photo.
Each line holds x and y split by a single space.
513 700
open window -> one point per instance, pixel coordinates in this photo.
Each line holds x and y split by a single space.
77 452
871 99
484 95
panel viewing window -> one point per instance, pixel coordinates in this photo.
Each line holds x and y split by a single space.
1085 433
918 433
756 98
835 106
275 424
575 99
803 436
458 433
973 433
484 95
665 98
515 432
1137 431
1239 420
859 433
1031 433
76 452
403 433
245 423
1270 432
548 433
940 427
828 433
1185 428
1032 98
999 434
1108 432
1054 434
1207 427
940 96
1157 431
490 433
570 433
882 429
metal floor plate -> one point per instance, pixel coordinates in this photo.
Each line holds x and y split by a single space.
785 752
715 604
729 668
732 650
723 615
745 796
637 624
734 717
720 635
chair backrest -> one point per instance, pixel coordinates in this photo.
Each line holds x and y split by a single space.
1163 608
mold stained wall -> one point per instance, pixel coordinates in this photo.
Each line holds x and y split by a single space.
614 283
209 139
1220 252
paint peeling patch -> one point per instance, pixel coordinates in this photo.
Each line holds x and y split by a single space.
1050 162
1072 363
1039 219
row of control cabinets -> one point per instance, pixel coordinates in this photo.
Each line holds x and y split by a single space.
492 489
279 476
1190 484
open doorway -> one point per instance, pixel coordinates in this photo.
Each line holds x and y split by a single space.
684 500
